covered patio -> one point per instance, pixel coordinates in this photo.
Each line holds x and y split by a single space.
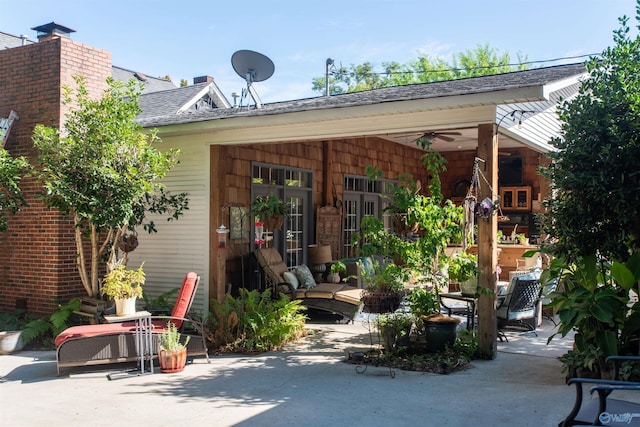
326 144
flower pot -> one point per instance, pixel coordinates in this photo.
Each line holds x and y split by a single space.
172 361
440 332
125 306
469 287
333 278
381 302
10 342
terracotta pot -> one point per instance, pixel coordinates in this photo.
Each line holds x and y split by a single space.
172 361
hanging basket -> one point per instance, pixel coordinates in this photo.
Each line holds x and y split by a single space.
401 224
128 242
380 302
273 222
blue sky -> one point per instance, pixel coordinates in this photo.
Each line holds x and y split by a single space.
193 38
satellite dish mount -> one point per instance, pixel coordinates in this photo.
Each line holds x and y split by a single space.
253 67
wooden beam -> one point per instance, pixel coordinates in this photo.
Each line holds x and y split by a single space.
487 244
327 173
217 199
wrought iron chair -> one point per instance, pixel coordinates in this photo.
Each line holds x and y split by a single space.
519 307
605 409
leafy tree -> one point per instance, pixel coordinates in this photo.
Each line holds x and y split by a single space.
481 61
102 169
595 176
11 198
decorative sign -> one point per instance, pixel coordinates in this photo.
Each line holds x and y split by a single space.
329 229
5 126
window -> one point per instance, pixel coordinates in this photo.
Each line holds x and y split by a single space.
362 197
295 187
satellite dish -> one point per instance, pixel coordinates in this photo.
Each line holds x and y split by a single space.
253 67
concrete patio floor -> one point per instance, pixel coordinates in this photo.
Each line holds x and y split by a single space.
307 384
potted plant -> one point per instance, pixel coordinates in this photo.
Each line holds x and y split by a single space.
337 268
439 331
383 283
404 199
173 352
463 269
270 209
124 286
395 330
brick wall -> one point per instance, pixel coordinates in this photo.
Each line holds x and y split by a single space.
38 251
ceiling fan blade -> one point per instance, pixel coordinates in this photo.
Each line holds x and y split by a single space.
444 138
447 133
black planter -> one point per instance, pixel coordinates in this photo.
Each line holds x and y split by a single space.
381 302
439 335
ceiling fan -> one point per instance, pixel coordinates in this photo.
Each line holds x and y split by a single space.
440 135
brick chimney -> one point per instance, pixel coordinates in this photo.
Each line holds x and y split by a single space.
52 30
202 79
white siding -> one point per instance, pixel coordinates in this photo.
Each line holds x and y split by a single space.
183 245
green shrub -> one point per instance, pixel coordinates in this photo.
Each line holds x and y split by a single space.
254 322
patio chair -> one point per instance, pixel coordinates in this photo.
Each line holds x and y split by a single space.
520 305
336 298
115 342
604 409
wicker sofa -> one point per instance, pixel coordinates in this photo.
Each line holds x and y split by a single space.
336 298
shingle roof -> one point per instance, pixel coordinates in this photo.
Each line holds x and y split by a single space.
168 102
151 84
8 41
468 86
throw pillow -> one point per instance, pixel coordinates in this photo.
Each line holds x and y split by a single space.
305 277
291 279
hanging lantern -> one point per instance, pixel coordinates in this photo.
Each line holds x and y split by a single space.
222 236
486 208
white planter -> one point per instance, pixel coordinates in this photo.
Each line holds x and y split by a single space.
469 287
10 342
125 306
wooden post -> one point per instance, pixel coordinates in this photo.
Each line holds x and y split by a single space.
217 199
487 245
327 173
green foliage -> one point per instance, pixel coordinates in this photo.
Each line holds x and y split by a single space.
163 301
11 198
406 196
596 203
594 301
254 322
423 302
123 283
385 276
480 61
103 170
34 327
393 326
269 205
462 267
170 339
338 267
